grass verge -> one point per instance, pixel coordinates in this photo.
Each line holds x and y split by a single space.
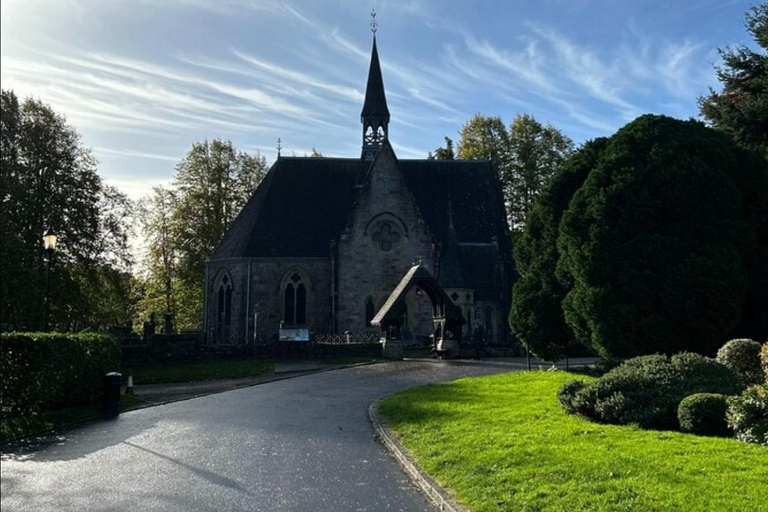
504 443
208 370
14 428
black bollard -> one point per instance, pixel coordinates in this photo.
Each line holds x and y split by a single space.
110 400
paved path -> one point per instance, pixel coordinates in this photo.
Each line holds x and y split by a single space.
300 444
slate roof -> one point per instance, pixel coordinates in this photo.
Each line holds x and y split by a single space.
479 267
303 203
451 274
422 277
375 104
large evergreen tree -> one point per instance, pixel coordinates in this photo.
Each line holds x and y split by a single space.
659 238
741 108
536 316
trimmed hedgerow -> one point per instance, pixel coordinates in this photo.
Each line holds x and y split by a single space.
764 359
743 357
703 414
748 415
647 390
52 370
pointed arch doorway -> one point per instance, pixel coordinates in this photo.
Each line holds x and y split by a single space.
446 317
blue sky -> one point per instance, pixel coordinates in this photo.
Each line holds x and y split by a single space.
143 79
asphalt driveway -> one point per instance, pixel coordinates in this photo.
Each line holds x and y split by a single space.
301 444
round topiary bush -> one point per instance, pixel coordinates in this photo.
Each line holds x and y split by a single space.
657 240
647 390
764 359
703 414
743 357
748 415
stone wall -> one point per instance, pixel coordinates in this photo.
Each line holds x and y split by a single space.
383 238
265 295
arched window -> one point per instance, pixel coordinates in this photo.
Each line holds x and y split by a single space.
369 311
224 308
295 291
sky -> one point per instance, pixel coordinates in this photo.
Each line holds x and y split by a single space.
141 80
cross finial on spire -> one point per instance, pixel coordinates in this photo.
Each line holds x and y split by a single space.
374 23
279 147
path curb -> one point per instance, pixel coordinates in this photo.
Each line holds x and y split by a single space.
428 486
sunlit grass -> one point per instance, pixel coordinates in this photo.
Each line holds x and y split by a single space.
504 443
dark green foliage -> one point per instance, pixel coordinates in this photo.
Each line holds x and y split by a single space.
445 153
657 240
703 414
575 398
764 359
743 357
48 179
52 370
741 109
536 315
647 390
748 415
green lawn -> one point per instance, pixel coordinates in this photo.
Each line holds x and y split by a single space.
504 443
208 370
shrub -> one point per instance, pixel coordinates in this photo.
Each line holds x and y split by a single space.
567 395
703 414
660 240
647 390
748 415
764 359
51 370
743 357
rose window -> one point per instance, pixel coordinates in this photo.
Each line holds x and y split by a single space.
386 236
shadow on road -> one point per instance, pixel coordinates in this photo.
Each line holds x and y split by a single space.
202 473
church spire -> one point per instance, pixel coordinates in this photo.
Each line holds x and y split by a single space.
375 114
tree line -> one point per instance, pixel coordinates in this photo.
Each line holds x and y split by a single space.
49 179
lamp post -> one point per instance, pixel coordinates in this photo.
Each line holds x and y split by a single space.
49 243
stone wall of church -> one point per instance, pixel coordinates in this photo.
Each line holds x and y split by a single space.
383 238
267 279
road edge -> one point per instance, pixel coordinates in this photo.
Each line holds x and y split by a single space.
436 493
59 429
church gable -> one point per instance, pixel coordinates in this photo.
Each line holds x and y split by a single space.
385 233
323 241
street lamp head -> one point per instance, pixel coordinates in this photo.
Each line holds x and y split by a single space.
49 240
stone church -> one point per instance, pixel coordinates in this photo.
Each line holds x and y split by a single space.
323 242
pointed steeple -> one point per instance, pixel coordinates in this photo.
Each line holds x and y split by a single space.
375 114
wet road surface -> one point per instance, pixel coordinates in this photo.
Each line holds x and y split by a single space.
301 444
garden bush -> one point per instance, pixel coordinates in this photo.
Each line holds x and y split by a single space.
743 357
647 390
52 370
748 415
703 414
764 359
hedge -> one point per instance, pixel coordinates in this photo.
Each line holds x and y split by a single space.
647 390
52 370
